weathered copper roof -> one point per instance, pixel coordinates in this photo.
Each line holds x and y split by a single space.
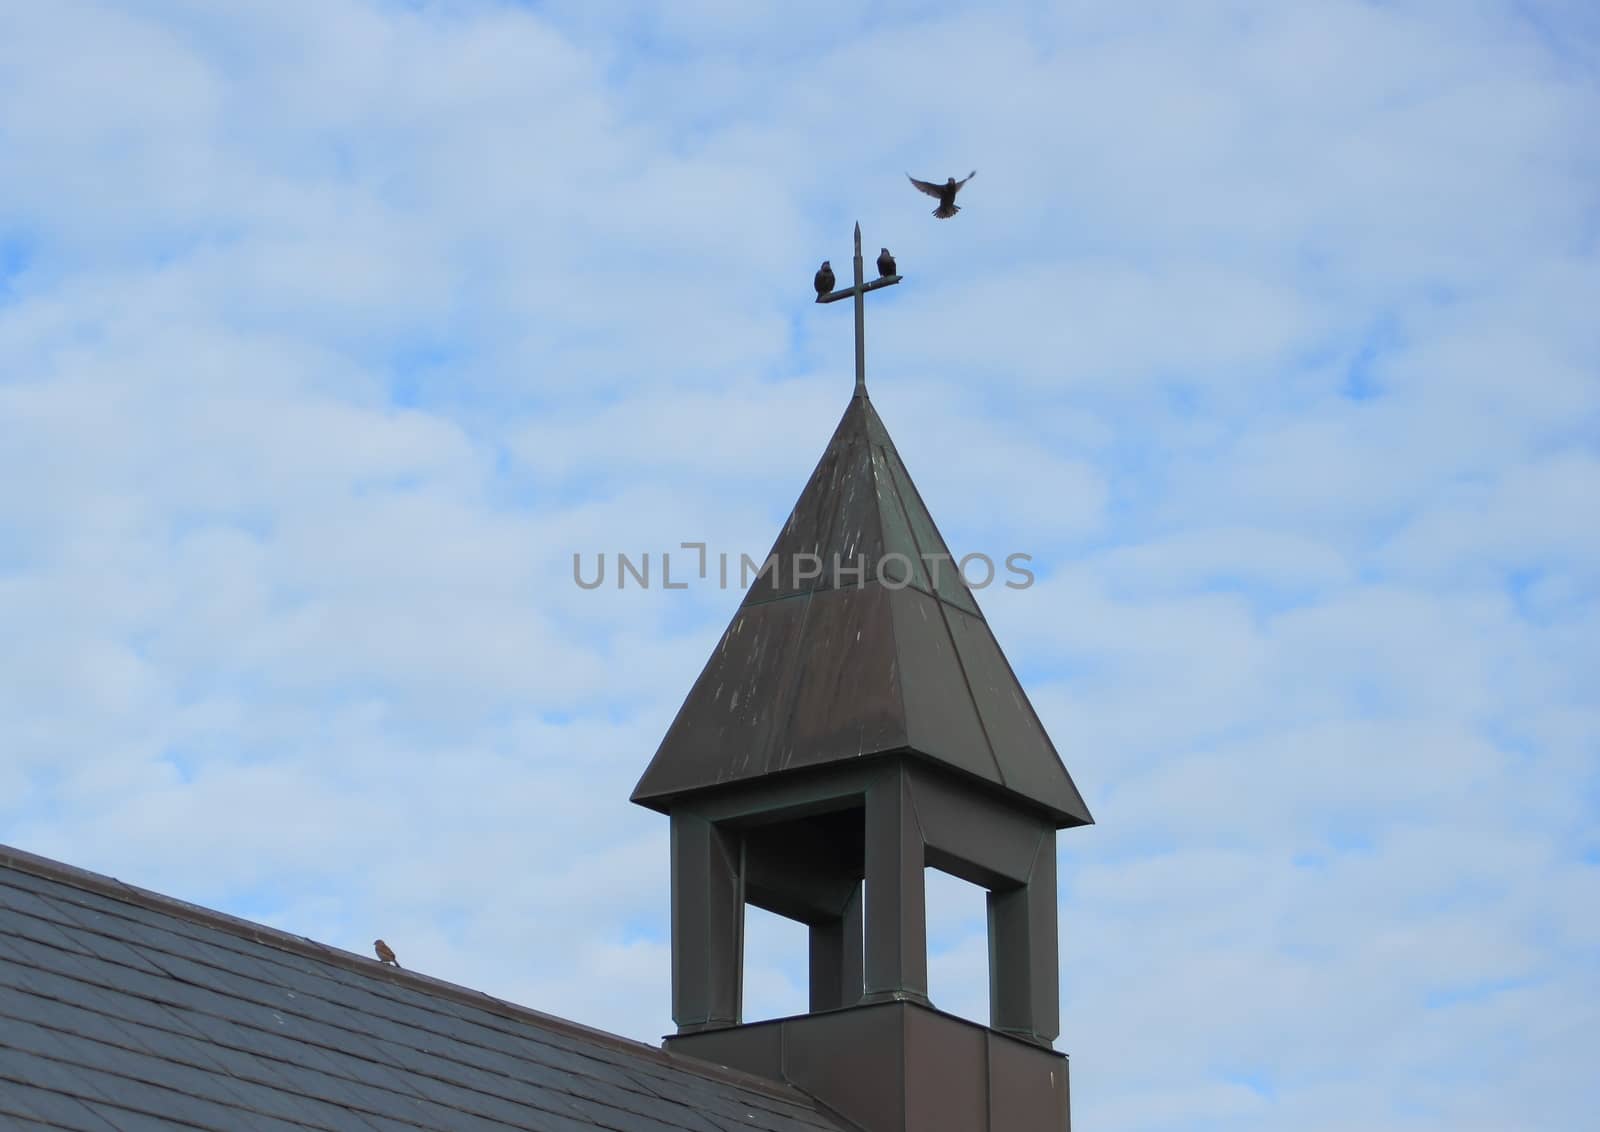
821 670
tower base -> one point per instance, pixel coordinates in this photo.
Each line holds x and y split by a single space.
900 1067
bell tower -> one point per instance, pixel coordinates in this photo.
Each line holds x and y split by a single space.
856 724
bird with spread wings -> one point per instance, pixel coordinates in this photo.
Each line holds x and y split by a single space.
945 192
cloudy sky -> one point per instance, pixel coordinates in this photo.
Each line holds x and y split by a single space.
331 329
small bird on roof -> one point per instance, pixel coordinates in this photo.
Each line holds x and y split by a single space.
886 266
945 192
824 280
385 952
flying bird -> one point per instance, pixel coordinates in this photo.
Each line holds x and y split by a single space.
886 266
385 952
824 281
945 192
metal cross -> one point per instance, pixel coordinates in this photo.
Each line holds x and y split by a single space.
859 291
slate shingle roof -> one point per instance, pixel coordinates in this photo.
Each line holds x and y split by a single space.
122 1009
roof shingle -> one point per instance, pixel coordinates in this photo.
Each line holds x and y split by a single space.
122 1009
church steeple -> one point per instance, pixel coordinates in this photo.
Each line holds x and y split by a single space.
857 724
860 638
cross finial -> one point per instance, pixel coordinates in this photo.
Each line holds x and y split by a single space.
888 277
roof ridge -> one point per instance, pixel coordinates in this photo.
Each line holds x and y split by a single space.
61 872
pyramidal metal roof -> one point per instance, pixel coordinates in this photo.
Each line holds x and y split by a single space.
824 666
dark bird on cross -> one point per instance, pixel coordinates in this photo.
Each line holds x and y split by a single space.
824 281
945 192
385 952
886 266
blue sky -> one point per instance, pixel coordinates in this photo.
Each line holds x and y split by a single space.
330 331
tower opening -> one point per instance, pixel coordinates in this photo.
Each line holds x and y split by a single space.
776 981
958 945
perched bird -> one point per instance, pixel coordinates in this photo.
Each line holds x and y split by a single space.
824 281
886 266
385 952
945 192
